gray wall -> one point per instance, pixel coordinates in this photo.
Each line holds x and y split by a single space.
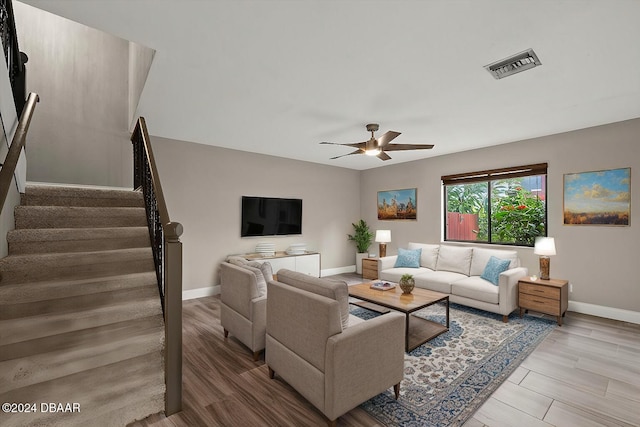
600 261
203 186
82 77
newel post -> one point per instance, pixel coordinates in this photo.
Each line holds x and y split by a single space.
173 317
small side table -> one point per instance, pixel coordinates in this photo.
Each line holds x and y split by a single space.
370 268
544 296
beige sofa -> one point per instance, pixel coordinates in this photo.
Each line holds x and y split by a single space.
243 304
457 271
332 358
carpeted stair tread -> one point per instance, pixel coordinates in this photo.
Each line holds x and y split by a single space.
41 291
11 310
78 217
34 327
59 266
47 240
112 348
102 390
44 195
82 337
127 415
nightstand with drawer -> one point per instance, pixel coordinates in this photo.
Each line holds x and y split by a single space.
370 268
544 296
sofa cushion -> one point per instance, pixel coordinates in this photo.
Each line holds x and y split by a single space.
476 288
494 267
334 289
409 258
394 274
439 281
454 259
481 257
429 255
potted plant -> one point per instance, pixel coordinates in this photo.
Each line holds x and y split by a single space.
363 237
407 283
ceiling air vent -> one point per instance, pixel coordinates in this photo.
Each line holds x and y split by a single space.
514 64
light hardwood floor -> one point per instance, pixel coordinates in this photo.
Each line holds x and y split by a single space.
586 373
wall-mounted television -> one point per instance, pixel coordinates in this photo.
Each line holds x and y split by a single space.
270 216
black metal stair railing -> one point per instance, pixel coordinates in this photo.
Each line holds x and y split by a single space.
167 254
143 180
14 58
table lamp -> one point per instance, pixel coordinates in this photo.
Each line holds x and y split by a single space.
545 247
383 237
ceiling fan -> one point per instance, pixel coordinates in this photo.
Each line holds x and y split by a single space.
378 147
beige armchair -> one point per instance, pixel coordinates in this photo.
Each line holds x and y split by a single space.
333 359
243 310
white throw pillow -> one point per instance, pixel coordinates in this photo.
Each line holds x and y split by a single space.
454 259
429 256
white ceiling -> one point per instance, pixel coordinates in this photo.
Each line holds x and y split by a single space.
277 77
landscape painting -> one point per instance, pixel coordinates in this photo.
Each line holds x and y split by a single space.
397 204
598 198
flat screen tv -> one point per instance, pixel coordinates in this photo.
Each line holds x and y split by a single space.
270 216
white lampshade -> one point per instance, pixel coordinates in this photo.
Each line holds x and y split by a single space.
545 246
383 236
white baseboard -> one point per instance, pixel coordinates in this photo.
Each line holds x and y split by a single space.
606 312
200 292
339 270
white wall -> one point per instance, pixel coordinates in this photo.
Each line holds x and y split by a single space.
81 75
599 261
203 186
9 119
140 59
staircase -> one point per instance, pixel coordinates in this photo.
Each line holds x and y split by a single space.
80 315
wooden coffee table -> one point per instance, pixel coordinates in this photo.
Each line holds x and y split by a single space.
417 330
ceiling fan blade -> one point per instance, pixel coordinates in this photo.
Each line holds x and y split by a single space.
383 156
387 138
402 147
355 152
355 144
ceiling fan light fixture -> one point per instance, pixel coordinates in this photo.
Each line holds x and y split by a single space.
372 148
378 147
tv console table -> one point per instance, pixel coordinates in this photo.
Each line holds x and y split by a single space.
307 263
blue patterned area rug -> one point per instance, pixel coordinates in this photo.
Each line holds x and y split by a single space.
448 378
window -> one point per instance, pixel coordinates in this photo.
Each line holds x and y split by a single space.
501 206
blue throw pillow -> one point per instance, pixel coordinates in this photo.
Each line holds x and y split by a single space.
494 267
408 258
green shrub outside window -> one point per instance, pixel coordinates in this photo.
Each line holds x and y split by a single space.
502 206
